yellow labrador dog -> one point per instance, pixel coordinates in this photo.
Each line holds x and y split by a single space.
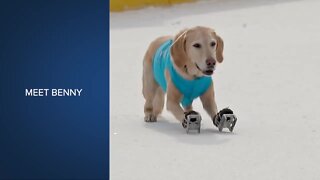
181 66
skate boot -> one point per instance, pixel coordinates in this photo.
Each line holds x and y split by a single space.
192 121
225 119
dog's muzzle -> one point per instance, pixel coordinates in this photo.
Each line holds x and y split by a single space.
208 71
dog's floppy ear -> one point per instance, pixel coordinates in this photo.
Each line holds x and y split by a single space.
219 49
178 48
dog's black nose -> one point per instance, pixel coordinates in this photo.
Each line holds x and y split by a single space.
210 62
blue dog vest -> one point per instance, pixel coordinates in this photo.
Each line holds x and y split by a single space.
190 89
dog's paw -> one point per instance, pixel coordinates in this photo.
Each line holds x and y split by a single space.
150 118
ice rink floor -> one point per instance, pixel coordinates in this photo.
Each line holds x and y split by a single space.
270 78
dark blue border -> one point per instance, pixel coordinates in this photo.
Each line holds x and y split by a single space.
54 44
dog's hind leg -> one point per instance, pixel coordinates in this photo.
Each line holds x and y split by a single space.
158 102
150 86
148 90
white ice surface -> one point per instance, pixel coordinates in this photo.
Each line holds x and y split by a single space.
270 78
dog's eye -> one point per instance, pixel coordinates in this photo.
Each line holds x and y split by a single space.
212 44
197 45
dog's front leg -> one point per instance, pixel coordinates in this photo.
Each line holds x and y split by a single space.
209 103
225 118
173 101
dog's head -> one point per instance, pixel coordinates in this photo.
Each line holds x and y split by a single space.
196 51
